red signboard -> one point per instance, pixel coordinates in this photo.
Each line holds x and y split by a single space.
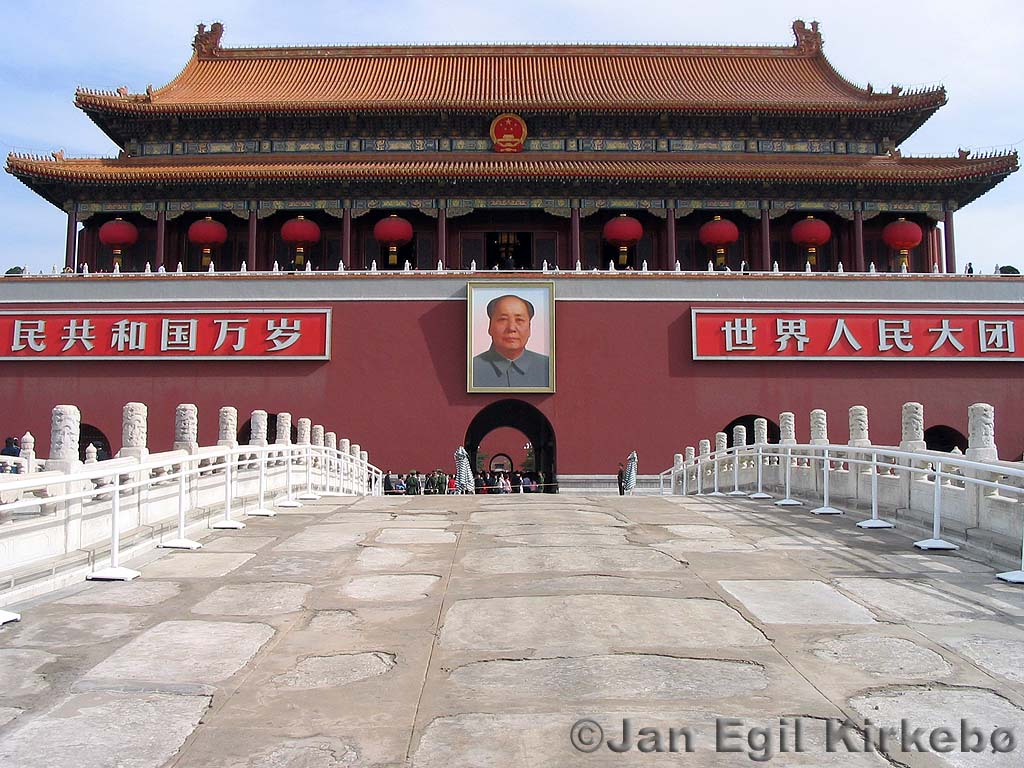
869 334
148 334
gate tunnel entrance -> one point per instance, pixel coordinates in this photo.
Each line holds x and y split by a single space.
525 418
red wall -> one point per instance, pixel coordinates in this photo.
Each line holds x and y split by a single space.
625 380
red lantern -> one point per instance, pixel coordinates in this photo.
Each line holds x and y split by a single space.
300 232
207 233
811 233
902 235
719 234
118 234
393 232
623 232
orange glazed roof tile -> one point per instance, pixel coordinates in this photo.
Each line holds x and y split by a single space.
526 78
521 167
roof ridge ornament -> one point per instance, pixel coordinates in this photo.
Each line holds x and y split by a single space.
807 40
207 43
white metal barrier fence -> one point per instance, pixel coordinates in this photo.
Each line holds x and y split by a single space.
948 481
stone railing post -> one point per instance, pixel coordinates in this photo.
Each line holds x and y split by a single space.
28 451
65 426
186 428
981 433
859 427
302 431
819 427
258 428
227 435
787 428
134 431
912 435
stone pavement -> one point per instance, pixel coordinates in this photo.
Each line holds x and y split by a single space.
450 632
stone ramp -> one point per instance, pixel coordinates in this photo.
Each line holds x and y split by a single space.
478 631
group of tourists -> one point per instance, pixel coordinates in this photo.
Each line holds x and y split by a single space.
415 484
438 482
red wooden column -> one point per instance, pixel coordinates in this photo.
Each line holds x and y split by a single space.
947 231
442 236
670 238
574 236
161 236
766 241
346 237
250 257
71 244
858 241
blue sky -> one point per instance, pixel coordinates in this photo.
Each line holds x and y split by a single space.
53 47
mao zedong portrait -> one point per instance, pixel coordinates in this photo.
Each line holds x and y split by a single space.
508 363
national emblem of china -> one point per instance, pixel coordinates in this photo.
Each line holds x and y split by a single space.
508 132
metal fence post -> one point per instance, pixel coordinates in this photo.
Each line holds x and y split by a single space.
825 508
115 572
936 541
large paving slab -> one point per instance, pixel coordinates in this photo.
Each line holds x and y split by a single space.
464 632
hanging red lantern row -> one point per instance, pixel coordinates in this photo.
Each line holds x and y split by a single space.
393 231
623 232
719 234
207 234
300 232
810 234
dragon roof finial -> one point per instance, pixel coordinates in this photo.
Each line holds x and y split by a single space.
807 40
207 43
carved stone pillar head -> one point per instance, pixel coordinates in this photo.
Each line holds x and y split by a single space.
721 441
739 436
690 453
859 427
705 447
65 425
317 434
186 428
134 431
258 428
284 429
331 440
981 433
912 421
302 431
819 427
228 427
760 431
787 428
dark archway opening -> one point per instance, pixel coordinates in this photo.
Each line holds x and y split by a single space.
747 422
943 438
88 434
528 420
245 433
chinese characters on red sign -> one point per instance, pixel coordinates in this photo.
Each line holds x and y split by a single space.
140 334
876 334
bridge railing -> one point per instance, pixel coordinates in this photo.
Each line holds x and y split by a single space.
974 498
56 509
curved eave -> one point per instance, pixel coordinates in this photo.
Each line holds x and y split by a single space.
583 167
887 105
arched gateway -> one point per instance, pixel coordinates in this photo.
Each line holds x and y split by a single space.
525 418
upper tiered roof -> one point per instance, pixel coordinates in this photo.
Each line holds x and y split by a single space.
525 78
